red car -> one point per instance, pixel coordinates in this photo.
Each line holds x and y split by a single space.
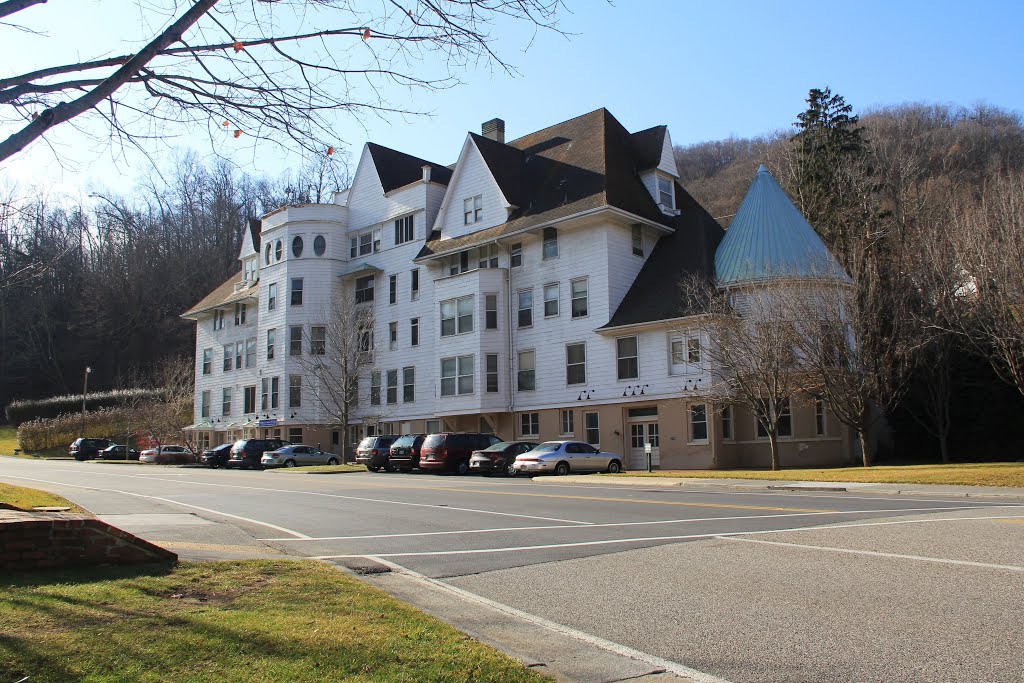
450 452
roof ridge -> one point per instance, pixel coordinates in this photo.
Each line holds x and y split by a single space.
555 125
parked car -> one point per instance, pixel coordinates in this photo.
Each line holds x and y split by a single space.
167 455
298 455
450 451
405 452
562 457
499 457
374 452
246 453
217 456
87 449
115 452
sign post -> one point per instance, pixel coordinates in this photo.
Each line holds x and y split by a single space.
647 450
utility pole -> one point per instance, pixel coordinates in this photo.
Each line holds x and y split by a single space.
85 390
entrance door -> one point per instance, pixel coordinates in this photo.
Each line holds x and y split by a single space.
641 433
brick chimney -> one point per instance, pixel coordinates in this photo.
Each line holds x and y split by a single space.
494 129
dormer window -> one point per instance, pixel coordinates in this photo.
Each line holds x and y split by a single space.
473 209
666 192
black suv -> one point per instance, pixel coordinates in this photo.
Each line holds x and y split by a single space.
374 452
86 449
217 456
246 453
405 452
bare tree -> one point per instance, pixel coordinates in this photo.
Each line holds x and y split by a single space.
162 419
341 348
751 337
235 65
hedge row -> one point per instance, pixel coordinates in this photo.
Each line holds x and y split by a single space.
106 423
56 406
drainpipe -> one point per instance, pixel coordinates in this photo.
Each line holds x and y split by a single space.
511 370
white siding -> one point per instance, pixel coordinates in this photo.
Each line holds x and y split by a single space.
472 177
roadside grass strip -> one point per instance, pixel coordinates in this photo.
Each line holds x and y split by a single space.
248 622
26 499
8 440
967 474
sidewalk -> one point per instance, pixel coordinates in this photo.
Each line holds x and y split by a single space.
933 490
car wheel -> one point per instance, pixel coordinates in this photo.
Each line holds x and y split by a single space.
614 467
79 458
510 469
373 468
462 467
214 465
562 468
332 461
289 463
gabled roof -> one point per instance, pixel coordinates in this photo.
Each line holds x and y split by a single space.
255 225
575 166
690 250
647 147
769 238
224 294
398 169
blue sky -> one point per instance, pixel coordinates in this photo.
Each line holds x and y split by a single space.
707 70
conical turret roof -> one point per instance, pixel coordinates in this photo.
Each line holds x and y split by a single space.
770 239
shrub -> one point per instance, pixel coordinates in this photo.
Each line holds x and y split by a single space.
58 406
41 434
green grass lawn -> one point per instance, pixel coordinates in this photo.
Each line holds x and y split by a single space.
26 499
322 469
9 444
967 474
248 622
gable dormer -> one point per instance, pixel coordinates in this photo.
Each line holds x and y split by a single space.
656 165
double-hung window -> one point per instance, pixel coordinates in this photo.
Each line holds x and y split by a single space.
265 393
666 192
525 308
492 373
526 375
551 300
550 249
271 296
515 258
392 389
698 422
488 257
491 311
364 289
457 316
229 351
207 361
392 289
579 297
408 385
225 402
403 230
472 209
239 349
204 405
457 375
295 391
784 427
415 284
392 335
249 399
529 424
375 388
275 391
592 424
638 239
414 332
626 358
295 340
568 423
240 314
317 340
250 352
218 319
271 339
686 354
296 291
576 363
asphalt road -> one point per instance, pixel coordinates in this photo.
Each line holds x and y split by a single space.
744 586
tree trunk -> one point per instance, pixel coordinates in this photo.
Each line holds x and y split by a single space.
944 448
773 440
865 455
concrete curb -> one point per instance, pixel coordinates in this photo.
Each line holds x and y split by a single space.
947 491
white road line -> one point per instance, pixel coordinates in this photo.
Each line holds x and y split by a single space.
616 524
619 649
341 497
282 529
873 553
652 539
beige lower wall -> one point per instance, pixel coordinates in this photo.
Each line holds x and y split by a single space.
677 449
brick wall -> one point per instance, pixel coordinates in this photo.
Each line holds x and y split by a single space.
33 541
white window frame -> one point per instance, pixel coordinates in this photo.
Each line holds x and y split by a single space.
271 342
568 423
549 243
662 195
364 291
295 292
570 365
295 391
693 413
295 340
490 311
727 419
637 239
491 376
391 394
414 284
531 371
392 335
250 352
549 288
520 310
414 332
208 361
375 388
473 209
317 340
392 289
587 429
460 314
575 296
229 354
529 424
619 358
515 255
204 404
404 229
463 368
686 354
271 296
225 402
408 384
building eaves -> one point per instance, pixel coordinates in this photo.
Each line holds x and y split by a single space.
398 169
688 252
225 294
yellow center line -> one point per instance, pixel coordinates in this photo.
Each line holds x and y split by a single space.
594 498
1010 521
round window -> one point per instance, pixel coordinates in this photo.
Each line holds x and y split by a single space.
277 250
268 254
319 245
297 247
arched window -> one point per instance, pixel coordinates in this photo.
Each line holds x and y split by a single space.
297 247
277 251
319 245
268 253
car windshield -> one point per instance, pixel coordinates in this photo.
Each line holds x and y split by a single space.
500 446
404 440
433 441
366 443
547 447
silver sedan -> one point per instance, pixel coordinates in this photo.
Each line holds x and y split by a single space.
297 456
563 457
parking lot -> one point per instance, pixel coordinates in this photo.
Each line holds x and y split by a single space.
740 586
